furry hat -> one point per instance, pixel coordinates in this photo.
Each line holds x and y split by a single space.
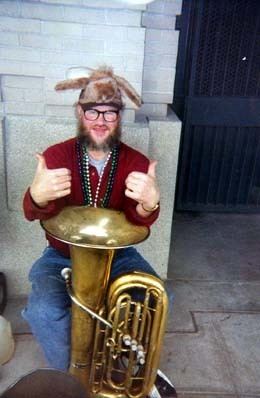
101 86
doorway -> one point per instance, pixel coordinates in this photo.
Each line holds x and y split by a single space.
217 96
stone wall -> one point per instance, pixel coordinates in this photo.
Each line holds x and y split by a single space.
39 40
161 45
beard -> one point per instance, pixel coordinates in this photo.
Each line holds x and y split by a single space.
107 145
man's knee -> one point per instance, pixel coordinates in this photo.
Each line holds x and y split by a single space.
50 263
41 308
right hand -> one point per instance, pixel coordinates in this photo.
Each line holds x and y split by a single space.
49 184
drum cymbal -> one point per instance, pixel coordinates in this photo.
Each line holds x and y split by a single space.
46 383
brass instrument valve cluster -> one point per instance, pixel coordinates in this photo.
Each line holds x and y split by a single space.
138 348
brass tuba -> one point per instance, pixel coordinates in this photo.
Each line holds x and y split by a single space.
117 329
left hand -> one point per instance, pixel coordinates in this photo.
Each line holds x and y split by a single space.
143 187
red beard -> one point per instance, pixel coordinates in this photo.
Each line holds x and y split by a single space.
111 141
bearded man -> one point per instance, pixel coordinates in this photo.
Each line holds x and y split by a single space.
96 169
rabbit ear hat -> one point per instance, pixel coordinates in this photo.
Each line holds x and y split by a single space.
99 87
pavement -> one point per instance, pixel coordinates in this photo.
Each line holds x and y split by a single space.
212 343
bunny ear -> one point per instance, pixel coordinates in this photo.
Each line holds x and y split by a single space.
75 72
129 91
79 83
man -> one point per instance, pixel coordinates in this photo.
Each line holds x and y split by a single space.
95 169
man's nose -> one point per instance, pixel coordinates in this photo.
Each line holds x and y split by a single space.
100 119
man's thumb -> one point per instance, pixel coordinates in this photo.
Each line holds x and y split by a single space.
41 162
151 168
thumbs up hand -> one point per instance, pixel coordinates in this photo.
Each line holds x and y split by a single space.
49 184
143 188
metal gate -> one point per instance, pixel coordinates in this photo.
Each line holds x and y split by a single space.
219 167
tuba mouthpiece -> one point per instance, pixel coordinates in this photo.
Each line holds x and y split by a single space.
66 274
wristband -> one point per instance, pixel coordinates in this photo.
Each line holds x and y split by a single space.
150 210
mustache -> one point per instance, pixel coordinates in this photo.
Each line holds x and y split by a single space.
85 138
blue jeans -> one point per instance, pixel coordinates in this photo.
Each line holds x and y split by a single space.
48 307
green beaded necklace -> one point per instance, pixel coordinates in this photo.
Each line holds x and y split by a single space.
83 160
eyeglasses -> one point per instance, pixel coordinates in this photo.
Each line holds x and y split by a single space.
93 114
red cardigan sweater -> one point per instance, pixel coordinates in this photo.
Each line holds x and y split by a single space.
65 155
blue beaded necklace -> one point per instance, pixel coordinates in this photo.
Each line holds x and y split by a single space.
83 162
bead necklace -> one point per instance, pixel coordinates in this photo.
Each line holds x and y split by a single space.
83 160
86 166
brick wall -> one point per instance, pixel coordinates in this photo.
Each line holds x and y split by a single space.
161 45
44 38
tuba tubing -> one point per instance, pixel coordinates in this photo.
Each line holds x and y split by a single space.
145 323
66 274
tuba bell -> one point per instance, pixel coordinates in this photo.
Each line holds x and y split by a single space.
117 327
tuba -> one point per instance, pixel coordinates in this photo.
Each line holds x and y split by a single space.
117 327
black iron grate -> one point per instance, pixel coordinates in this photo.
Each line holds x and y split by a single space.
228 59
223 167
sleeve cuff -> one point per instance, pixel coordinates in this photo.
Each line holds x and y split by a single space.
33 212
135 218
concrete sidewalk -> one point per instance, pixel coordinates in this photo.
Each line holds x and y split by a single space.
212 344
213 341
